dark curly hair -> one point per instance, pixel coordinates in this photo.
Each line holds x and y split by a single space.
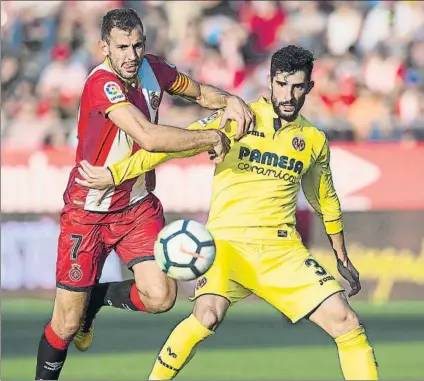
291 59
122 18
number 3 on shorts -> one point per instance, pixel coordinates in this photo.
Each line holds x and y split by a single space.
77 238
312 262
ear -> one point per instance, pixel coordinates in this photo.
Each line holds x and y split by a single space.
310 86
269 81
104 47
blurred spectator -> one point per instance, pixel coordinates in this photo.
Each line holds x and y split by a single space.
376 26
180 14
410 105
188 55
9 73
61 81
383 73
343 28
264 20
309 24
27 130
369 73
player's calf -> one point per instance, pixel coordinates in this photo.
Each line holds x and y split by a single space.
53 347
356 356
151 291
178 350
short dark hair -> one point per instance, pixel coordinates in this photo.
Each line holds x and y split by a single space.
291 59
122 18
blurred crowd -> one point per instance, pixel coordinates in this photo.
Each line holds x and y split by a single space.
369 72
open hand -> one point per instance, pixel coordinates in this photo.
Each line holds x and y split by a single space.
348 271
220 149
95 177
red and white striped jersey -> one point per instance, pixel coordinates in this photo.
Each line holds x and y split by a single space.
101 143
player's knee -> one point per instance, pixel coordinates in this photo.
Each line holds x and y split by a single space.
335 316
158 306
71 325
158 300
209 316
68 311
345 321
66 322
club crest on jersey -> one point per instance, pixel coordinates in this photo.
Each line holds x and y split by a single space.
113 92
154 101
75 274
298 143
205 121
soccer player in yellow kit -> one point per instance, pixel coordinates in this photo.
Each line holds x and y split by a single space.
252 219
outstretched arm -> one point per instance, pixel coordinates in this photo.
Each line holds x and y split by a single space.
319 190
161 138
143 161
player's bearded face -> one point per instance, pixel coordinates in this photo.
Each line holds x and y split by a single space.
125 51
288 93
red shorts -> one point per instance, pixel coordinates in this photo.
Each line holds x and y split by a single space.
86 239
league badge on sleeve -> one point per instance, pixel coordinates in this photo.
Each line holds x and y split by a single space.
298 143
209 119
113 92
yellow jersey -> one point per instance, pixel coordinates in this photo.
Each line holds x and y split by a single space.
255 188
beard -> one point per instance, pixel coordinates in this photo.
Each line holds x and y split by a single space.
119 69
287 116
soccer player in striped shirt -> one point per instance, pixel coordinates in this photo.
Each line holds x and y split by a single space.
118 116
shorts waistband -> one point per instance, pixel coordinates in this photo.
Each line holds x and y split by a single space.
269 235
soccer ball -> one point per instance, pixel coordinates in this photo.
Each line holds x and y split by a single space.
185 249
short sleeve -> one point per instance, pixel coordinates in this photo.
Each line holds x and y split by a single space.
166 72
106 93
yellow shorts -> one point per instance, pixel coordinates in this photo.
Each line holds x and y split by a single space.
286 275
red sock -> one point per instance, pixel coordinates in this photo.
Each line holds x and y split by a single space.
54 340
135 299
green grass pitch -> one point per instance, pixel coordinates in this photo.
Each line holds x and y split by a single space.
254 342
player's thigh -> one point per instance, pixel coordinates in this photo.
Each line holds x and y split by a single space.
136 231
335 316
68 310
293 281
81 253
219 279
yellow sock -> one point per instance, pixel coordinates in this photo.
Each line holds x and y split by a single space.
179 348
357 356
